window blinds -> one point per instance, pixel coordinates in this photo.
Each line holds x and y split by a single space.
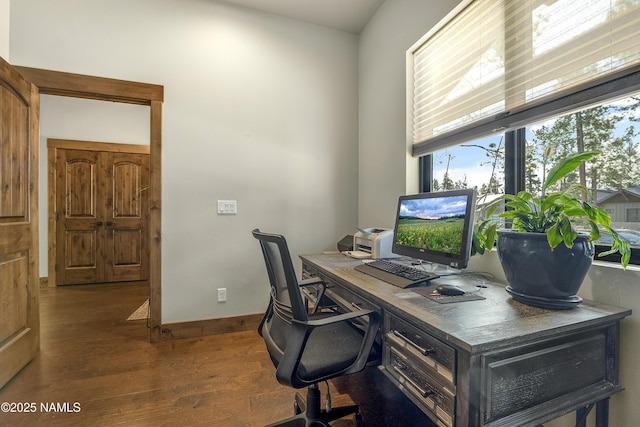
496 64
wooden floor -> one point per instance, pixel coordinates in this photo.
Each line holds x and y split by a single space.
100 370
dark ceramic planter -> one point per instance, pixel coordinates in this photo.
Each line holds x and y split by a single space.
541 276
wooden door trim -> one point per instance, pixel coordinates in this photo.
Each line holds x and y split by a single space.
112 147
90 87
99 88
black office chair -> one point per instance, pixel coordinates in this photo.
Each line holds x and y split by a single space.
309 348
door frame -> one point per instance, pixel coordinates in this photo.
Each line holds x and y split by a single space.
104 89
54 144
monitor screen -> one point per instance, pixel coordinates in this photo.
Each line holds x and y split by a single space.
436 227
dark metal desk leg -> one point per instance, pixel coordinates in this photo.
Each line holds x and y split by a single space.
602 413
582 414
581 417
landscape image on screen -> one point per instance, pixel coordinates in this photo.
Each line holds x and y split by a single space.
434 224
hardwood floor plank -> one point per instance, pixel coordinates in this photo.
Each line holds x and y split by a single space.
90 354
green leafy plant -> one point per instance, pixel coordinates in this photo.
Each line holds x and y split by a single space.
558 214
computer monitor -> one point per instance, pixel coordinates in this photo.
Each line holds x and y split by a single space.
436 227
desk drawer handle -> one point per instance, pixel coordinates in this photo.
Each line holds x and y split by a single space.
422 391
403 335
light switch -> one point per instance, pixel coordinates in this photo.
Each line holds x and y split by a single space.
227 207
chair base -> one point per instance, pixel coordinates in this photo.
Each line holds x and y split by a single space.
309 414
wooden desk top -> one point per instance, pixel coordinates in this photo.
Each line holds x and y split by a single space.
475 326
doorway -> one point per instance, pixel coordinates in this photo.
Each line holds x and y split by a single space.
104 89
100 212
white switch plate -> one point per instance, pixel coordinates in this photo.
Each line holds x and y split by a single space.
227 207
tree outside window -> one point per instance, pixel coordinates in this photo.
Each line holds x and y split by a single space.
612 178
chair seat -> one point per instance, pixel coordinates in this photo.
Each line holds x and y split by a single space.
321 359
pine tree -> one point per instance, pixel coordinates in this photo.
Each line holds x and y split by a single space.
621 162
588 130
534 158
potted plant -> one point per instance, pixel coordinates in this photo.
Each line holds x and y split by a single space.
544 255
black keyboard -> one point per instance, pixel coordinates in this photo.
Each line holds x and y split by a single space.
396 274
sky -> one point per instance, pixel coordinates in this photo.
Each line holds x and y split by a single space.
434 208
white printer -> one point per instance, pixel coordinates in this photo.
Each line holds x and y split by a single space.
375 241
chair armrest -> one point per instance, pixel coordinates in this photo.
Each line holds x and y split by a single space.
333 319
315 281
312 281
299 333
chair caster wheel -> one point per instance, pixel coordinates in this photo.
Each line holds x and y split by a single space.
357 420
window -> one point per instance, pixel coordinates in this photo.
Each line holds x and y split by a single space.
504 64
613 178
478 163
503 88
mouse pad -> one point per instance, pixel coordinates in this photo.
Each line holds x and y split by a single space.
447 299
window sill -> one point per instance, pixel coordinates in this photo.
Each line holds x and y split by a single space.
615 265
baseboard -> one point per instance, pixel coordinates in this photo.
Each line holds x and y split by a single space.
201 328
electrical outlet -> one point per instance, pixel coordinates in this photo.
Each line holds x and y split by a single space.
222 294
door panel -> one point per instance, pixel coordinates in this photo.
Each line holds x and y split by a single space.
19 281
127 248
102 221
14 292
77 238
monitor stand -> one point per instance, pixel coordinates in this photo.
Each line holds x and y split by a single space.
434 267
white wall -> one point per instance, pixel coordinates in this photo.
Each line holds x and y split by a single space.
257 108
384 171
611 285
4 29
384 166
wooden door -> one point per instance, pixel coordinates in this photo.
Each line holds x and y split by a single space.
78 238
19 276
101 215
127 217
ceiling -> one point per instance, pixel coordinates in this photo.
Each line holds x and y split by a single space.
347 15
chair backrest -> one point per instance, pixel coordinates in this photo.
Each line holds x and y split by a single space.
286 301
285 290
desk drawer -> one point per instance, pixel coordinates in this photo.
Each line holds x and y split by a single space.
345 299
309 272
349 301
436 397
423 366
433 353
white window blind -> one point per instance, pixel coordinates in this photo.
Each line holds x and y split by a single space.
490 60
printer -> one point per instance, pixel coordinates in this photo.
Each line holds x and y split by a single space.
375 241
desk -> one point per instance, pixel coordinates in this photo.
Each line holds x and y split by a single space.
491 362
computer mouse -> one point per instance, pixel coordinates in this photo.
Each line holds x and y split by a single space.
449 290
